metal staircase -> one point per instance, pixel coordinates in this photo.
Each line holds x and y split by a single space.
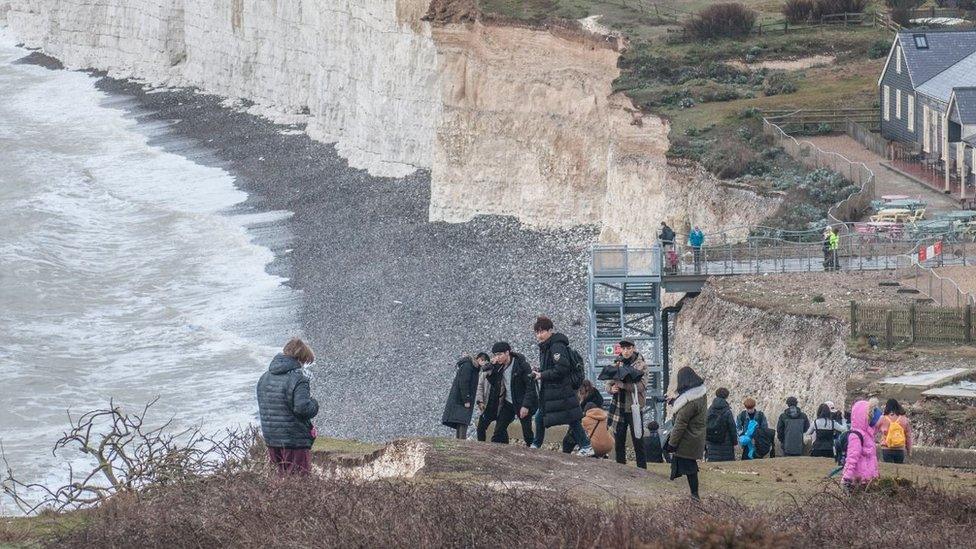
624 294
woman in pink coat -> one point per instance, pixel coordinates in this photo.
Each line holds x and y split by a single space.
861 465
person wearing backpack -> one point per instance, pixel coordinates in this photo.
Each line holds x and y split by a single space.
621 418
560 375
595 425
755 441
861 457
896 433
720 432
824 431
790 428
587 395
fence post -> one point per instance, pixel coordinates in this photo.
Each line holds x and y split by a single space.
853 319
911 320
969 323
889 329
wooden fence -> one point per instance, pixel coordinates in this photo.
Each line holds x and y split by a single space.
872 141
813 121
910 324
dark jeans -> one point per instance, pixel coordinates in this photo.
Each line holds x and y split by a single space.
461 432
506 415
575 430
696 251
892 456
620 441
291 461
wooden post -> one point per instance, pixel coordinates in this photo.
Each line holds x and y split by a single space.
889 330
853 319
969 323
911 321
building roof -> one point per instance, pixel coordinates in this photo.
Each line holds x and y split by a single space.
966 105
943 49
961 74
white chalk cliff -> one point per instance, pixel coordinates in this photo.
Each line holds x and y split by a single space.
509 120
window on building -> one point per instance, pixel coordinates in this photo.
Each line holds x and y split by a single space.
897 59
911 112
886 104
898 104
921 42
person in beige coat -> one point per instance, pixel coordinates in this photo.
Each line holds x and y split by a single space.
595 425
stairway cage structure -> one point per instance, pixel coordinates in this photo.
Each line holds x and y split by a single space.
624 301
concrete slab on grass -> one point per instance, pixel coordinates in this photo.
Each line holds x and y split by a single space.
927 379
963 389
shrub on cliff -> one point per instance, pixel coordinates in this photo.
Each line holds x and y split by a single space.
254 510
724 20
797 11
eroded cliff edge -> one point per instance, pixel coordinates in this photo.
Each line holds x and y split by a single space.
510 120
765 354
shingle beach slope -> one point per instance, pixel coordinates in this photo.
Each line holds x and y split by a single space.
389 299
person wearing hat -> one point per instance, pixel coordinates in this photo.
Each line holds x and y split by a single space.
510 383
460 401
623 394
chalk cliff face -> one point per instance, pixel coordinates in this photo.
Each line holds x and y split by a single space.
766 355
509 120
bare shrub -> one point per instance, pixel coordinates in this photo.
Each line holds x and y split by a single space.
723 20
797 11
251 509
728 158
833 7
128 455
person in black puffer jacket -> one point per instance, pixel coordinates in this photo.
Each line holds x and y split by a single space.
557 403
720 433
286 408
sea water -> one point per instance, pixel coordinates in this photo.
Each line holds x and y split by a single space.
126 272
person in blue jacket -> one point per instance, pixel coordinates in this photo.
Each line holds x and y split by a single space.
696 240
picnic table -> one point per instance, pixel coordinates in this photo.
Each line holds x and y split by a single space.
960 215
893 197
906 203
934 226
896 215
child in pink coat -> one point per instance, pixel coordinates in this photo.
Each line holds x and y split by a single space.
861 465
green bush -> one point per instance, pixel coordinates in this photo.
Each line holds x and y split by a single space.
728 158
779 83
724 20
879 49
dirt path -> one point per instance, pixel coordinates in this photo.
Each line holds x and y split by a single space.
888 181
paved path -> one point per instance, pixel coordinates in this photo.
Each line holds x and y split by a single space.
887 181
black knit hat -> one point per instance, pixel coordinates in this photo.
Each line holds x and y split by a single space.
626 342
501 347
791 401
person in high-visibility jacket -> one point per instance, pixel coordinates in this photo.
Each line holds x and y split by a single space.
834 244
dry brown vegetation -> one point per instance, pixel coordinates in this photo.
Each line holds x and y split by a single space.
255 510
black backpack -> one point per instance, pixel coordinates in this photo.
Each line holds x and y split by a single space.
840 446
578 369
716 428
763 441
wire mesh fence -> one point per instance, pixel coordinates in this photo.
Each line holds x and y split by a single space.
852 208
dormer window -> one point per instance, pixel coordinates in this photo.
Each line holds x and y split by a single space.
921 42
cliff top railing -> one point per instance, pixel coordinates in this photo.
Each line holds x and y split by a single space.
854 206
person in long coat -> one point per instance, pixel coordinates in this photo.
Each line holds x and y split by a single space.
687 439
460 401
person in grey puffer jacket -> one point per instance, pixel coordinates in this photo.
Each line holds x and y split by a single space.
286 408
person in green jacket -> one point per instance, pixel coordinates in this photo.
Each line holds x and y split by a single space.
687 438
834 242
